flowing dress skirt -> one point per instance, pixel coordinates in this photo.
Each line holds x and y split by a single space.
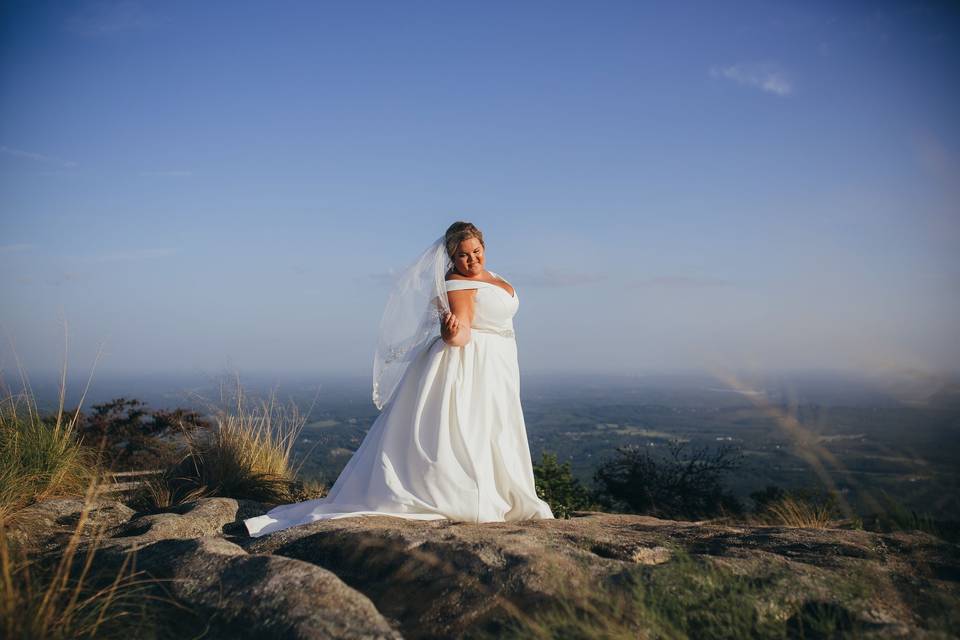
451 443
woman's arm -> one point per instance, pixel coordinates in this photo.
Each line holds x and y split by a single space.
455 330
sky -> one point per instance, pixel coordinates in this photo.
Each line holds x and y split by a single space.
188 186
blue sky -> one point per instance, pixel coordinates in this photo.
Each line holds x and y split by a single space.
669 186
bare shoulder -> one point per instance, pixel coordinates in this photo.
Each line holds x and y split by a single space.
453 275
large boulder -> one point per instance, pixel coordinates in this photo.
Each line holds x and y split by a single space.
205 517
259 596
47 525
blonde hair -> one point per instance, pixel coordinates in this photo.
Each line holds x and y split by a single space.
460 231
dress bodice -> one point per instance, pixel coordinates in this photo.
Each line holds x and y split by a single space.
494 307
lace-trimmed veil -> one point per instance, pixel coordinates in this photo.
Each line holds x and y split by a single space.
415 307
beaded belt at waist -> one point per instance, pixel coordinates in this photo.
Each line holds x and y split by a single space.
506 333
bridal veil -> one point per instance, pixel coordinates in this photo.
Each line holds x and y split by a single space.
415 307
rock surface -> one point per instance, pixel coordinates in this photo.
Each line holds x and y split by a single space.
384 577
471 575
48 524
260 596
205 517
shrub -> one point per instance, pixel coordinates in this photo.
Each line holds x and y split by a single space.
894 516
683 484
556 485
132 437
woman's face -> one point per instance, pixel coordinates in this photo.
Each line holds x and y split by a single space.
468 258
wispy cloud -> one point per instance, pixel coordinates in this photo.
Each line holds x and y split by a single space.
106 17
36 157
15 248
765 76
558 278
680 282
132 254
166 174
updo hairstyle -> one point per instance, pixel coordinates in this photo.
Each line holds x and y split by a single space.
460 231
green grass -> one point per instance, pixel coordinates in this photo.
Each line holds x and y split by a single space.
685 597
39 457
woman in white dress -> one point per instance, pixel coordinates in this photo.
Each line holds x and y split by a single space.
451 441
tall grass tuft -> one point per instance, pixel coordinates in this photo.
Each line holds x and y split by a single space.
39 456
70 599
166 490
792 512
248 454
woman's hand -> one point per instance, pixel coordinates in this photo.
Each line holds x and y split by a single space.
450 327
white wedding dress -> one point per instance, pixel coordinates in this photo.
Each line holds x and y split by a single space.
450 443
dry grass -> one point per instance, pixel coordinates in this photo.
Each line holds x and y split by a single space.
791 512
167 490
308 490
70 599
248 454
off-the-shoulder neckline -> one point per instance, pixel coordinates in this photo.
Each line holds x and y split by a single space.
492 284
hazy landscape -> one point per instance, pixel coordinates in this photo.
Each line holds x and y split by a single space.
874 438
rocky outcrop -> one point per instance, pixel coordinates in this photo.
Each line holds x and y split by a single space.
472 576
260 596
383 577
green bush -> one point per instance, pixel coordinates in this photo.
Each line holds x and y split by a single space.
557 486
895 516
132 437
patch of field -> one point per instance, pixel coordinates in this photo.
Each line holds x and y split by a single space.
322 424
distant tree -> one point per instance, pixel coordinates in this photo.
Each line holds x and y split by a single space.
131 436
557 486
686 483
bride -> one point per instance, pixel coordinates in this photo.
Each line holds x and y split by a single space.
450 441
